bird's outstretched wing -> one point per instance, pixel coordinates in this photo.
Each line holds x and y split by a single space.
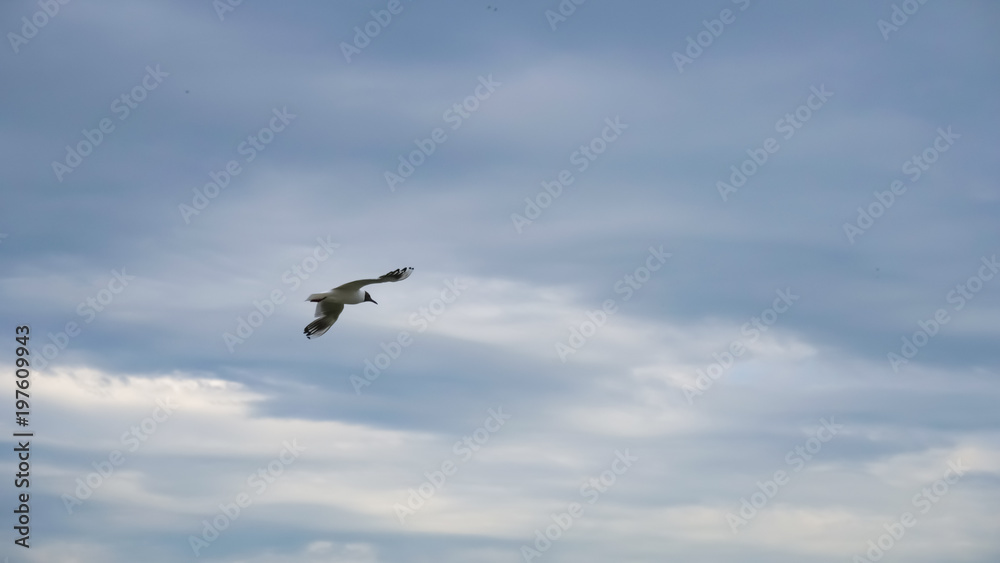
393 276
327 308
327 313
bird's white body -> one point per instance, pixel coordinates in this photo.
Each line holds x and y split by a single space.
330 305
338 295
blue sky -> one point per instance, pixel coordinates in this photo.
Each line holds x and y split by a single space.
703 281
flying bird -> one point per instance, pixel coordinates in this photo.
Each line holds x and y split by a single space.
329 305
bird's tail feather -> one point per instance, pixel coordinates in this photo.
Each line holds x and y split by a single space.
318 327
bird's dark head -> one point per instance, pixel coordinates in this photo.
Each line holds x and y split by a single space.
369 298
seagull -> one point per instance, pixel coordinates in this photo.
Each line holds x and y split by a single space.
329 305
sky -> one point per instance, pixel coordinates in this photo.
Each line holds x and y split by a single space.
696 281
